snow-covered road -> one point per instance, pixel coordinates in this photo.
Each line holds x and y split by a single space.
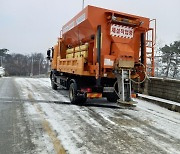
96 127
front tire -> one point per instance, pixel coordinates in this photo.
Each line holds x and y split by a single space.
53 80
112 97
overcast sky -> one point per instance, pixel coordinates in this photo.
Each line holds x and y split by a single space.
28 26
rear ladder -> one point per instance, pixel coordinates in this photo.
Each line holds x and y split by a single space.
150 44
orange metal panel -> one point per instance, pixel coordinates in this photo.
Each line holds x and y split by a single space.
91 17
73 66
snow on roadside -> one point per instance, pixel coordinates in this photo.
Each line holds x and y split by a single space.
63 126
68 138
151 118
164 119
38 137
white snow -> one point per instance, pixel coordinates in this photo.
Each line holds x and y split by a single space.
72 123
41 140
159 99
165 78
160 117
2 72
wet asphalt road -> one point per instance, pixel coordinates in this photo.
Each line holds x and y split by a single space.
14 131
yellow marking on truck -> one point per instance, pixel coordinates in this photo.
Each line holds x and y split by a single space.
59 149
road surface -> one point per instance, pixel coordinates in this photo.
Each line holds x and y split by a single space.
36 119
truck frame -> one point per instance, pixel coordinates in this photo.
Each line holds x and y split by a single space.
100 53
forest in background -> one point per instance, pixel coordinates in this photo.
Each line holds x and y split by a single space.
23 65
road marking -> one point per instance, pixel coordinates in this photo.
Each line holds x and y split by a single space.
46 125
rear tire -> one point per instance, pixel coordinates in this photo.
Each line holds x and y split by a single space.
112 97
73 95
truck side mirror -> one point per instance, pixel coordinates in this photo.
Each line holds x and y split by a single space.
48 54
52 52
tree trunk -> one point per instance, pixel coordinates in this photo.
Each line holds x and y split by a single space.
168 66
175 67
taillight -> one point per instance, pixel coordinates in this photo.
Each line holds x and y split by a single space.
87 90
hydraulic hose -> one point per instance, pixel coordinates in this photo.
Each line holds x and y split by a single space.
146 76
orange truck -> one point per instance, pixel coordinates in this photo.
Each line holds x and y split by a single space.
100 53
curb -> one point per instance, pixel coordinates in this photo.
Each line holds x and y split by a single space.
170 106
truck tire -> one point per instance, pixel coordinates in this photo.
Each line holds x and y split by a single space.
53 84
74 98
112 97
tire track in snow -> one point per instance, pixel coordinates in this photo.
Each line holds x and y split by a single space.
137 135
31 95
46 125
99 119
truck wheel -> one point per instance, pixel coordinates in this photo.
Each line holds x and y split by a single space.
112 97
73 95
82 100
53 80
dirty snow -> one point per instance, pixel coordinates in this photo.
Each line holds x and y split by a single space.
98 127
